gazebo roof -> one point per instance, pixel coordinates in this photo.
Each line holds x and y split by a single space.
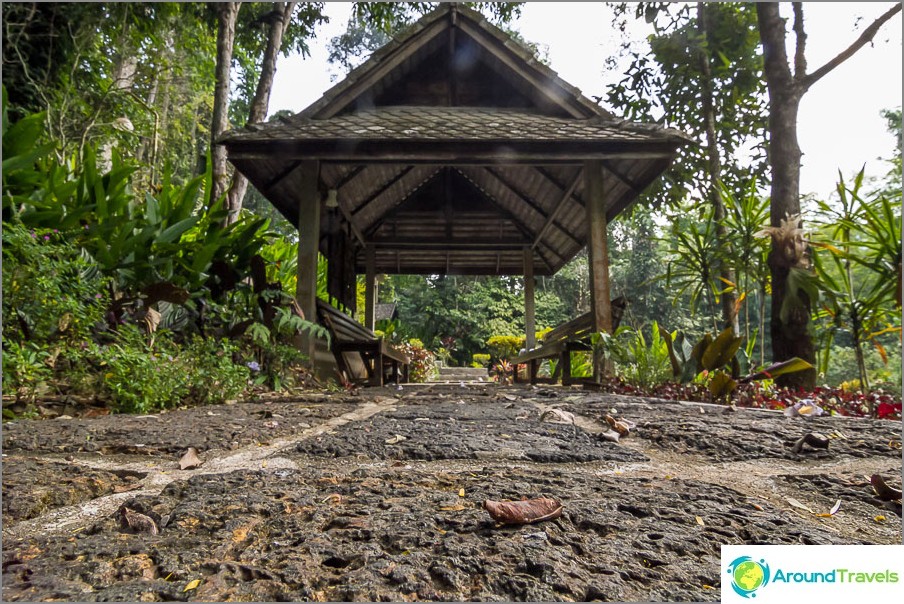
452 150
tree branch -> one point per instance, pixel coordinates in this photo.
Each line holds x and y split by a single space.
867 36
800 57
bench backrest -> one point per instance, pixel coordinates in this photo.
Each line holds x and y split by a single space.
343 327
581 326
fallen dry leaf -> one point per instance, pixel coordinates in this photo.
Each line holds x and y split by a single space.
190 459
122 488
192 585
883 491
798 504
461 492
523 512
452 508
557 416
395 439
623 427
700 521
138 522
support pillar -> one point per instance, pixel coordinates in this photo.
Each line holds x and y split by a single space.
530 328
370 289
598 252
308 245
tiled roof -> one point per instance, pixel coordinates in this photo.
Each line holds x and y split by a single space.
454 124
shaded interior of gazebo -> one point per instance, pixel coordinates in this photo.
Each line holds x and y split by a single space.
452 150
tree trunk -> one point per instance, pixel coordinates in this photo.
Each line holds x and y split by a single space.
226 16
728 299
789 339
281 16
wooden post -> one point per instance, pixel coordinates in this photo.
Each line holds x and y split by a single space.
370 290
308 245
597 247
530 329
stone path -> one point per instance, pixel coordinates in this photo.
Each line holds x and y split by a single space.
379 496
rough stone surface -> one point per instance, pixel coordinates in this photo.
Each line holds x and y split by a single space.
334 512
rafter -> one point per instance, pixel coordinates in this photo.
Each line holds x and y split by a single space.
529 202
558 208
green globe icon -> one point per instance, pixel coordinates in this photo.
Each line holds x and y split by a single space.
748 575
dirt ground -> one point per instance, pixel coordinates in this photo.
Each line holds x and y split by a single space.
378 497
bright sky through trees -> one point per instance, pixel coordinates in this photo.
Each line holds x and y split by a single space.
840 125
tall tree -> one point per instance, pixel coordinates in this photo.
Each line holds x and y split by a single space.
791 338
700 74
227 12
277 21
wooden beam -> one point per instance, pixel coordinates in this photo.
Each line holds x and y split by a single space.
280 176
621 177
423 177
382 189
558 96
445 152
386 65
598 247
353 173
370 281
530 329
531 204
525 230
558 209
308 245
416 243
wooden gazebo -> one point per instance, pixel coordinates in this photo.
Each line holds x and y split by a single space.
452 150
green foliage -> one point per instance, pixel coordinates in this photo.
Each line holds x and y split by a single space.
132 76
692 263
140 377
423 362
119 283
636 361
666 80
26 373
858 268
719 362
480 360
52 291
505 347
883 372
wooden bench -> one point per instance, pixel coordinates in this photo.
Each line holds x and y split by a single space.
362 356
561 342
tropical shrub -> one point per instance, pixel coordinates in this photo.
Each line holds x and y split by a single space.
480 360
636 361
505 347
423 362
52 290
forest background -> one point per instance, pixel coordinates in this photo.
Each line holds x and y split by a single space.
109 174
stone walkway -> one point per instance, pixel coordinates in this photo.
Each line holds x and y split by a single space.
379 497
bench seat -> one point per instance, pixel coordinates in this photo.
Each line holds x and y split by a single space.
560 343
362 356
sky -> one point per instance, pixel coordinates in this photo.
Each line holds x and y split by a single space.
839 128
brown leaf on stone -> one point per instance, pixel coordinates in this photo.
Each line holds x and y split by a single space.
883 491
190 459
138 522
122 488
621 426
523 512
